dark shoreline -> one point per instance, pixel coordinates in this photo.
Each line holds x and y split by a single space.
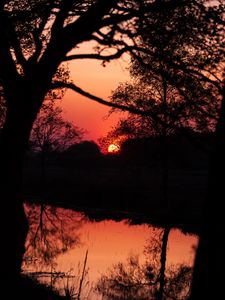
152 216
118 193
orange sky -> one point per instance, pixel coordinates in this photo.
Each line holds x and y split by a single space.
91 76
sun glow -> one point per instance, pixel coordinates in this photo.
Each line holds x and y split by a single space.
113 148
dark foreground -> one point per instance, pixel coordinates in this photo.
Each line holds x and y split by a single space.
30 289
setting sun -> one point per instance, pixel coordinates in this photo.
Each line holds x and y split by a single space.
113 148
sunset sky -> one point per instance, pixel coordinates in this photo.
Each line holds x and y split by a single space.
91 76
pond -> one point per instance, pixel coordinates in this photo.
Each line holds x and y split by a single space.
106 259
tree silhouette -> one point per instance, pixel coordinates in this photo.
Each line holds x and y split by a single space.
51 132
196 69
171 111
178 79
177 93
210 258
37 36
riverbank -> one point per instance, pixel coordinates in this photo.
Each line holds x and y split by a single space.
134 193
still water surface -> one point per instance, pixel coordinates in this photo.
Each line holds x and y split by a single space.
59 240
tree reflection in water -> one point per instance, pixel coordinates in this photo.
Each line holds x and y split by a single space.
52 231
148 280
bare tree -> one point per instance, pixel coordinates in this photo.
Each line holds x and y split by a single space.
51 132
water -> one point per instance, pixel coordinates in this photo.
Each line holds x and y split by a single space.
59 240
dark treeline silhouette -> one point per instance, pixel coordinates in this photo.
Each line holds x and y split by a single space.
130 180
182 153
85 153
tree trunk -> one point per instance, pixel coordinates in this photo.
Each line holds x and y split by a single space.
13 144
164 151
208 278
163 256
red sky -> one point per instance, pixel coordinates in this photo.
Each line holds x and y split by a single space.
91 76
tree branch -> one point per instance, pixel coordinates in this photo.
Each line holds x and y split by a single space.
118 18
133 110
99 56
173 64
75 88
8 71
71 35
38 46
60 17
89 22
16 46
